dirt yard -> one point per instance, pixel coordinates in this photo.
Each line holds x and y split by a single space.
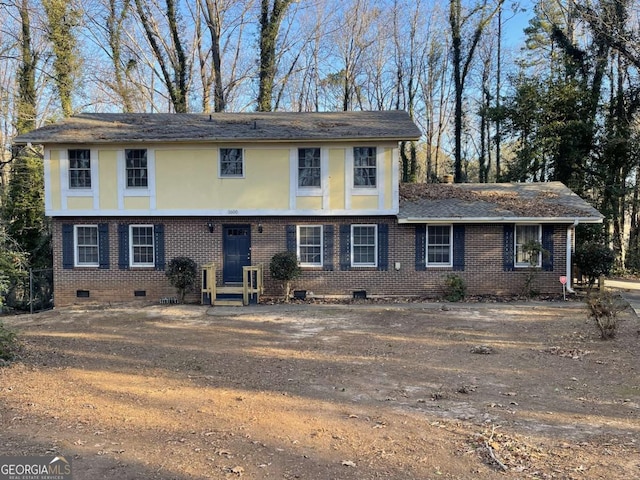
367 391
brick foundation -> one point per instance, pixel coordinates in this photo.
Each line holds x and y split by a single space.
190 236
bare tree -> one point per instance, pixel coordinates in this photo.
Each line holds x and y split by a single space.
353 40
108 26
463 49
169 50
271 15
435 87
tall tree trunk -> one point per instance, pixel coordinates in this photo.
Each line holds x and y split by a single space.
173 64
26 101
62 19
270 20
213 16
115 20
498 119
462 63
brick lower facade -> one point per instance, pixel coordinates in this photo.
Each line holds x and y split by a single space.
190 236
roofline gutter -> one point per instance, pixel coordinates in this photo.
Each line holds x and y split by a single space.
443 220
217 140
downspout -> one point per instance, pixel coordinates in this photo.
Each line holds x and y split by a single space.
569 271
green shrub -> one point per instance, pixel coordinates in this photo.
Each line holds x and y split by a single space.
454 288
284 267
8 343
594 259
604 308
183 275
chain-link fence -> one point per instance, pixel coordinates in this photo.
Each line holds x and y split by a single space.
32 292
40 289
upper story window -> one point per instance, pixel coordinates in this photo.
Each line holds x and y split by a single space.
364 245
137 168
528 235
364 167
309 167
86 245
439 245
310 245
80 168
142 252
231 162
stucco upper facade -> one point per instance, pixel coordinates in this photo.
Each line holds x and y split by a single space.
317 164
186 180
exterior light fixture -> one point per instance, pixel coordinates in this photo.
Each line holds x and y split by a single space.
210 226
260 228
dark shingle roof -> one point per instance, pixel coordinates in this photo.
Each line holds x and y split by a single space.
493 202
272 126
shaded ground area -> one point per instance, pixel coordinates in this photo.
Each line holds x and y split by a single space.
326 392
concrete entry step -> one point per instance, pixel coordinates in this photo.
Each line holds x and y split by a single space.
228 303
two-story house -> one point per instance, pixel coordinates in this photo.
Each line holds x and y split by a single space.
128 192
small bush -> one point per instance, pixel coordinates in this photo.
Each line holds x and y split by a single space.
183 275
594 260
454 288
285 268
604 308
8 344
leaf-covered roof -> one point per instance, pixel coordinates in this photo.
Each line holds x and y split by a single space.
493 202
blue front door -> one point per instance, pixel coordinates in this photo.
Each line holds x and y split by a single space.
236 248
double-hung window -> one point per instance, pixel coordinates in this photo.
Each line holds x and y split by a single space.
364 167
364 245
231 162
439 245
527 236
310 245
80 168
309 167
137 168
142 253
86 245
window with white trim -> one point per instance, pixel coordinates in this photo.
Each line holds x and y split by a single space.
364 167
142 253
85 239
309 245
364 245
439 245
136 167
309 170
79 168
526 234
231 162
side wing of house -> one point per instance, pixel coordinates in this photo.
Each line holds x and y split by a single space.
215 179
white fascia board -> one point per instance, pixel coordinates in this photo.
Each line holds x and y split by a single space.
449 220
219 213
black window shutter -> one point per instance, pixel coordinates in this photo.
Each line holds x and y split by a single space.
158 237
327 261
103 245
547 245
67 246
291 238
508 252
421 247
458 247
345 247
383 246
123 246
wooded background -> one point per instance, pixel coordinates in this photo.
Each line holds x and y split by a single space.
560 105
